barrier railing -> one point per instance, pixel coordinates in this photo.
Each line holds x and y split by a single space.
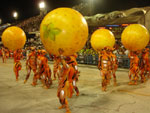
123 60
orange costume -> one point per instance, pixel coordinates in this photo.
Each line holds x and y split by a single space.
104 66
17 65
31 64
145 65
11 54
39 52
56 66
7 53
134 68
4 55
114 64
44 70
73 74
63 84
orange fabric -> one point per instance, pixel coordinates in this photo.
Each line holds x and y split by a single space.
38 53
56 65
11 53
145 65
105 62
131 57
105 68
17 56
114 61
146 58
32 60
62 79
65 79
114 66
72 60
71 73
17 65
134 68
135 64
3 55
31 64
7 53
44 71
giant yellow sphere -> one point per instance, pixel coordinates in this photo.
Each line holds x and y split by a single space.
135 37
102 38
13 38
63 28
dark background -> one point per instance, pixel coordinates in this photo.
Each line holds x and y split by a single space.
29 8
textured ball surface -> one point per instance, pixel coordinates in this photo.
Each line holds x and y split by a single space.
102 38
63 28
13 38
135 37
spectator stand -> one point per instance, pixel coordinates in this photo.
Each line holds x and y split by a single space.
90 57
87 56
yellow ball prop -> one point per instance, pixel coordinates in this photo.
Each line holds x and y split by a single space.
135 37
102 38
13 38
63 28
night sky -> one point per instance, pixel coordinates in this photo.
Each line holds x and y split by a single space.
29 8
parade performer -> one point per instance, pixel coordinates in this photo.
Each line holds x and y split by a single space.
11 53
104 67
56 66
145 64
44 71
3 54
131 57
101 41
63 84
134 68
17 64
70 41
114 64
73 74
39 53
148 62
76 75
135 38
7 53
31 64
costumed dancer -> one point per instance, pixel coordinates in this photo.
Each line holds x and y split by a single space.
114 64
104 67
44 71
134 68
145 64
56 66
4 54
73 74
17 64
63 84
31 64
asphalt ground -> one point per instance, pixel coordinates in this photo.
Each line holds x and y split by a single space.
17 97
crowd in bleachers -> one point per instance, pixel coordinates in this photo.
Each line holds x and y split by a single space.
32 24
